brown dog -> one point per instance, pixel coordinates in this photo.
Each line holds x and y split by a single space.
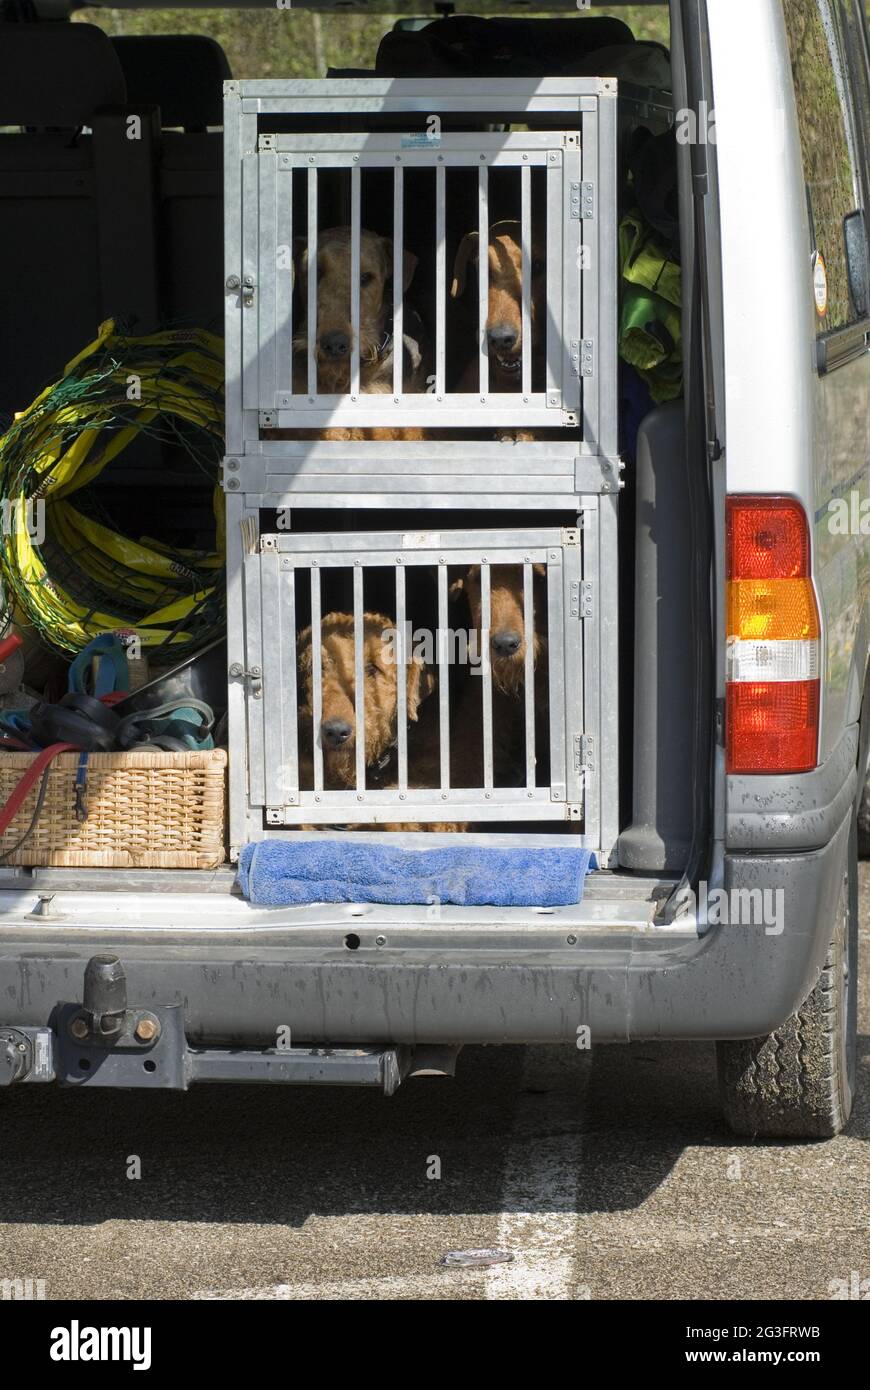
504 320
507 654
334 341
338 732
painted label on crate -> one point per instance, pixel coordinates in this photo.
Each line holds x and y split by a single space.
420 540
423 139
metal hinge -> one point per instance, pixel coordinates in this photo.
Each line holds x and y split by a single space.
581 597
587 357
584 753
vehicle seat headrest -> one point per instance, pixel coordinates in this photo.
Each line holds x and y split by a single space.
57 75
183 74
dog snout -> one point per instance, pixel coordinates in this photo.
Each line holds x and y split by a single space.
335 732
502 337
335 344
506 643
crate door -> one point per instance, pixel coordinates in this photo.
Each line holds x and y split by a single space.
303 190
459 654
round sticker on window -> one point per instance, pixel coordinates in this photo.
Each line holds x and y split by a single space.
820 284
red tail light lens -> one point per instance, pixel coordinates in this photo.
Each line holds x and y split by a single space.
773 726
772 718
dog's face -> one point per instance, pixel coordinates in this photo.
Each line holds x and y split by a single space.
504 319
338 731
507 637
334 341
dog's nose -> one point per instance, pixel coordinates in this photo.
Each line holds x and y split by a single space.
506 643
502 337
335 344
335 732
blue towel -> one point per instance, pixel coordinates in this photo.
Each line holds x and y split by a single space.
284 873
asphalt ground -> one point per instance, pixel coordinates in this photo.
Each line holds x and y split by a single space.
606 1175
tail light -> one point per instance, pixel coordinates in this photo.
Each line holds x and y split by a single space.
772 672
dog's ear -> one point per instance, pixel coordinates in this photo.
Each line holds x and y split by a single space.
300 258
468 251
421 682
303 652
409 262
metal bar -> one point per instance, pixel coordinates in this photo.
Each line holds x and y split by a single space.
316 678
273 718
526 200
608 276
355 237
398 277
383 146
312 280
401 679
529 634
254 658
440 280
250 260
483 274
556 651
266 290
285 273
285 640
486 671
554 279
590 307
608 676
443 680
359 665
334 547
573 260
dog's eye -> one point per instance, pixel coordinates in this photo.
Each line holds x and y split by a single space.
372 669
366 278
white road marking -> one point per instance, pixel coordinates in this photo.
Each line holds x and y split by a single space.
539 1221
459 1282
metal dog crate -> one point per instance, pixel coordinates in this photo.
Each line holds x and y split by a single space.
301 157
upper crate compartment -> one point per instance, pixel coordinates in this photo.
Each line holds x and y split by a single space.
391 188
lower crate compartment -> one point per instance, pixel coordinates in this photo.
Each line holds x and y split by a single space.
423 679
141 810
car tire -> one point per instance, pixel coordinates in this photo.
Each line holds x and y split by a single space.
799 1082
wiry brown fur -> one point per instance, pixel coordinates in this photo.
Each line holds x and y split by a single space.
381 703
506 616
339 685
334 315
508 681
505 300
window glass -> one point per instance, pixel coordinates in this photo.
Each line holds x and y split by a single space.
827 139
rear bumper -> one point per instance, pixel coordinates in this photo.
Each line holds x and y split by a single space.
519 977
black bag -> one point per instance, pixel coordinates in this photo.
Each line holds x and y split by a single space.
463 45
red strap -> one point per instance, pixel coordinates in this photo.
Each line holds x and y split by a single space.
30 778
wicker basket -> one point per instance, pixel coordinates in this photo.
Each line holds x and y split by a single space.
144 811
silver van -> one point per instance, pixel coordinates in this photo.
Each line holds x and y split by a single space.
695 521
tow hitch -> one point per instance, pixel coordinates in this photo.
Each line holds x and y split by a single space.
105 1041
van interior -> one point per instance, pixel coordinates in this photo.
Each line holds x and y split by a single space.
91 231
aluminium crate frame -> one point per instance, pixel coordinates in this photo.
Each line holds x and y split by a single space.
582 476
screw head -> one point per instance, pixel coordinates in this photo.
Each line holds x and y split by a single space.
79 1028
380 941
147 1029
